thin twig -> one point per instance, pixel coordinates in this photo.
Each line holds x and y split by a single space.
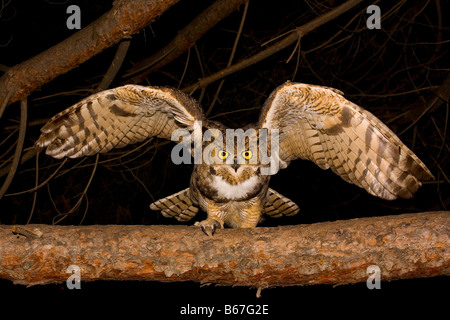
188 58
27 155
295 35
389 95
5 103
6 152
37 187
19 147
184 40
116 63
36 182
234 111
230 60
420 116
444 135
80 199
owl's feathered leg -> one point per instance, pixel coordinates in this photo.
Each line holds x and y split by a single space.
236 214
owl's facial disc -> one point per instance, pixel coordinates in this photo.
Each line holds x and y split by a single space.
235 173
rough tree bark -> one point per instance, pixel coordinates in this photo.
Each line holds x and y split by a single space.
123 20
403 246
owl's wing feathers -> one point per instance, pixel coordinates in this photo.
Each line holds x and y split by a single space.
319 124
278 205
116 118
178 205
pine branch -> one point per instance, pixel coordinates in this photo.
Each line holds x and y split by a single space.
403 246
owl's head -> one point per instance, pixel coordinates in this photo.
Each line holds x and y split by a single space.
235 156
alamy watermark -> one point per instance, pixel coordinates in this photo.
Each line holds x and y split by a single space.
74 20
252 146
74 281
374 279
374 20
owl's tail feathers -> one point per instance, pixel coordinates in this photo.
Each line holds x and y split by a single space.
278 205
177 205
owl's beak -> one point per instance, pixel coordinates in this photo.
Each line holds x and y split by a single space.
235 165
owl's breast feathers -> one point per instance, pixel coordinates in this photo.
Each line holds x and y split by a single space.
222 186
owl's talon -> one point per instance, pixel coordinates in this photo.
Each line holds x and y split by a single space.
204 230
215 227
209 224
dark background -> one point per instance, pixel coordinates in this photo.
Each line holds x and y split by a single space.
387 71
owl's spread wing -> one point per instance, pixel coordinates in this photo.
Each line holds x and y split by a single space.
116 118
318 124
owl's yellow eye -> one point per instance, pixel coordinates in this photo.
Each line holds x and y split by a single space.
247 155
222 154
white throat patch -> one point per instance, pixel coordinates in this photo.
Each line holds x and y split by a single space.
234 192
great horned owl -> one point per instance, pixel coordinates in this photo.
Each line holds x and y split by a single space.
312 122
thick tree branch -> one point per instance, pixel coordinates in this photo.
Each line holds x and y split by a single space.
123 20
403 246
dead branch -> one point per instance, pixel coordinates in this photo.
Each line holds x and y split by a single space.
185 39
123 20
294 36
403 246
